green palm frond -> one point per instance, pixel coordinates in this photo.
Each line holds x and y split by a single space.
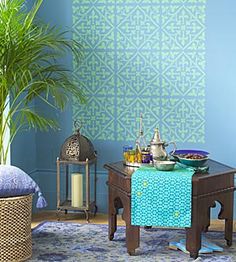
34 120
30 52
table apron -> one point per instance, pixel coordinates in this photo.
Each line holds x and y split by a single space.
119 181
227 190
119 189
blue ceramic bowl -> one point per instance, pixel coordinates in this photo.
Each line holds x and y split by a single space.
189 151
190 162
193 162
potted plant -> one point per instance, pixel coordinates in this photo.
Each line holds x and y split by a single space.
29 69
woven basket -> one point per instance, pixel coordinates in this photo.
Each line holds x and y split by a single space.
15 228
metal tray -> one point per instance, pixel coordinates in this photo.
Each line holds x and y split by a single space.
136 164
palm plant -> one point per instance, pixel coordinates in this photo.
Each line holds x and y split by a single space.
29 69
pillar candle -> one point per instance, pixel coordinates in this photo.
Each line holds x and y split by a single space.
77 190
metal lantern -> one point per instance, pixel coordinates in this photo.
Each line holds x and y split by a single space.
77 147
76 150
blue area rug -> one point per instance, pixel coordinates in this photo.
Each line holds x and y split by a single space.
64 241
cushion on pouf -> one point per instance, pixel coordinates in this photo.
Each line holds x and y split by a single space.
15 182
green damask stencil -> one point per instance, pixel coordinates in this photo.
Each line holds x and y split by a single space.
183 1
95 2
97 73
138 73
183 119
128 116
142 56
122 2
97 117
183 27
94 25
183 73
138 27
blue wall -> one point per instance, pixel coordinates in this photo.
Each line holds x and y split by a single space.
220 73
220 103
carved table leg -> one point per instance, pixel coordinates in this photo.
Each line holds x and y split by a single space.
132 238
112 225
193 240
228 231
226 212
206 214
112 215
132 232
229 219
193 234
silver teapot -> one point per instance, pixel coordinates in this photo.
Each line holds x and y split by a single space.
157 147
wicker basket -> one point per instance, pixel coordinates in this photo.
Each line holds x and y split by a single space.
15 228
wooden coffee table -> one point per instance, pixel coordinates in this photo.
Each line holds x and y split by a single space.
216 185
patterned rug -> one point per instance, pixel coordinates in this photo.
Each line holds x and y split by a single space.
64 241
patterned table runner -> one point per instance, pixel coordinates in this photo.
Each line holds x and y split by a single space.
161 198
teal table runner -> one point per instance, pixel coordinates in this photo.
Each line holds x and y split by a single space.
161 198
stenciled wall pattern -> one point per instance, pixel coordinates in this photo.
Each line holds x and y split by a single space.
143 56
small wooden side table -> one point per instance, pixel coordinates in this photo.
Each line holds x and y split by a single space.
216 185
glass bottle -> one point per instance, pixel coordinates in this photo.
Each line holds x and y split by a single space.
141 141
132 156
138 154
125 152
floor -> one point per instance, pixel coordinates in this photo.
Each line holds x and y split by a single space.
71 217
99 219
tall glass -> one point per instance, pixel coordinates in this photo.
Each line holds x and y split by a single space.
125 152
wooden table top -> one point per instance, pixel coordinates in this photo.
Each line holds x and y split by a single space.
215 169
